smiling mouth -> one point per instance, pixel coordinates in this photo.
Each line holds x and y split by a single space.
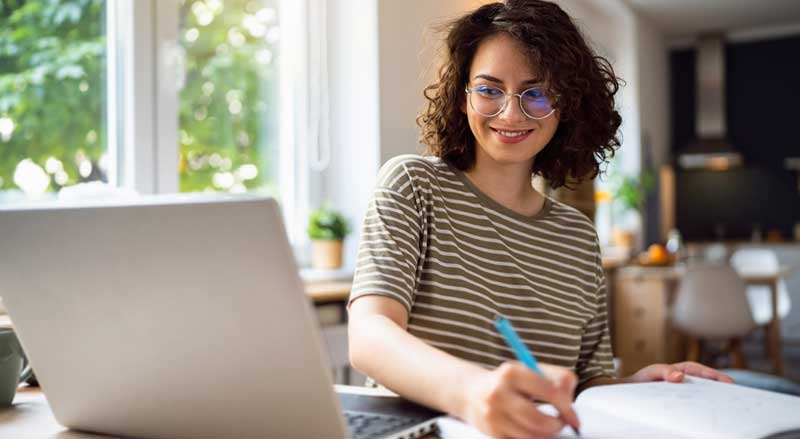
511 134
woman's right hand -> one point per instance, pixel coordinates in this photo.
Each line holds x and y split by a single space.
501 404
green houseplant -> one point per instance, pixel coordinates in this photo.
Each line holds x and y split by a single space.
327 229
628 194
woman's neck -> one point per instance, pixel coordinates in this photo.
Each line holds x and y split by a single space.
509 184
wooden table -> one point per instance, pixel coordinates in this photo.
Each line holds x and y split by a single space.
325 292
31 417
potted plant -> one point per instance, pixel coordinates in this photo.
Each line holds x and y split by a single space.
327 229
628 195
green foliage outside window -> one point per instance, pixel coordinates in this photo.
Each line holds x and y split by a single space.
52 66
53 96
228 112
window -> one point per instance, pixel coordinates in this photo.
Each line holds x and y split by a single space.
228 102
158 96
52 96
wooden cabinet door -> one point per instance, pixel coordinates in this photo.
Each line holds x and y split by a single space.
640 317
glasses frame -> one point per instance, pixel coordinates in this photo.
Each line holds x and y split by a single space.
506 97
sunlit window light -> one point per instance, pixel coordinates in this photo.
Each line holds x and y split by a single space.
223 180
254 26
53 165
31 178
103 162
85 168
273 35
248 171
214 6
235 107
192 34
215 160
236 37
61 178
267 15
264 56
6 128
203 13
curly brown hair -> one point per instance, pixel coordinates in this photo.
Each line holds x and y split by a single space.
584 82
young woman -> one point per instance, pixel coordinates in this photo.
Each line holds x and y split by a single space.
455 238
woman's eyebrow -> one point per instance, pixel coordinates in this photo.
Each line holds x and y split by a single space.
493 79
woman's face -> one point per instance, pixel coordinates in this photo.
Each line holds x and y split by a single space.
510 137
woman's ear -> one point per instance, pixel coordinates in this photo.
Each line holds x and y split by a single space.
463 106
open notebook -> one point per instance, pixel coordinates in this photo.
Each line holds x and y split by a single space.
696 408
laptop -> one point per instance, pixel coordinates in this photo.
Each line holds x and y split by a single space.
180 317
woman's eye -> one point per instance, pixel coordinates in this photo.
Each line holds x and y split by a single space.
535 93
489 92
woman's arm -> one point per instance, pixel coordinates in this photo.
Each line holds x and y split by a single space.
498 402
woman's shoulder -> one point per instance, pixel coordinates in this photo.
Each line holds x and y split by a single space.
410 167
572 218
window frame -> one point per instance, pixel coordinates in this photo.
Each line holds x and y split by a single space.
143 92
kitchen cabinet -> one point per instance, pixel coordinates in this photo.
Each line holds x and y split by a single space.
641 330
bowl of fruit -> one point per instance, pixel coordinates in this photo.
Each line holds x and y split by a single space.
656 256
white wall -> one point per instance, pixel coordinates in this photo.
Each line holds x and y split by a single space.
354 112
408 55
654 103
653 85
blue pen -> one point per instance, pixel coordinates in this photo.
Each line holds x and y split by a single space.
523 354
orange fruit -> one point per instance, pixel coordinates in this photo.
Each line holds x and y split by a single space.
658 254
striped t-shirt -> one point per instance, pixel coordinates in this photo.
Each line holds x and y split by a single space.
456 259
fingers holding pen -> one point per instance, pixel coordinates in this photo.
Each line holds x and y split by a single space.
501 407
556 387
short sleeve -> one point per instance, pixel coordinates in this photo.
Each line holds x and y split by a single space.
389 250
596 358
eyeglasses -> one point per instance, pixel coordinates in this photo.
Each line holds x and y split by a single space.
490 101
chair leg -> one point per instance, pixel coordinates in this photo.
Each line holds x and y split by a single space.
693 348
737 354
767 342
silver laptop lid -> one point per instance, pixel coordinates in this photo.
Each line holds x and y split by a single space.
158 318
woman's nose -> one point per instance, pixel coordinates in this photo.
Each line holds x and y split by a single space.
512 111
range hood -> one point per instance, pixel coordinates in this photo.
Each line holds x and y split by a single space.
710 149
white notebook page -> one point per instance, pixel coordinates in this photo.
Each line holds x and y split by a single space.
698 408
659 410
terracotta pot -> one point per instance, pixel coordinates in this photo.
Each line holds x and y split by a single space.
326 254
623 238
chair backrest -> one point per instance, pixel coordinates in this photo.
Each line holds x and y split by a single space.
716 253
762 261
755 260
712 303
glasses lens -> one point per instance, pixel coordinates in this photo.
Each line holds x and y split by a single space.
487 101
536 102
